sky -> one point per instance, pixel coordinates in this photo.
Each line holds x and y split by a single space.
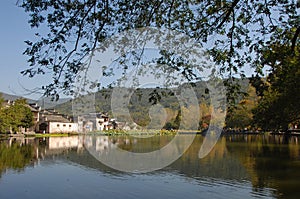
14 31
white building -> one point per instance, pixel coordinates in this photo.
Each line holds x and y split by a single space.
53 122
95 122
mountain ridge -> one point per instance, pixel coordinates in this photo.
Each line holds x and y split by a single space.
44 102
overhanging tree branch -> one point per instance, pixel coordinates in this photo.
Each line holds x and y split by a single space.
76 42
228 13
294 40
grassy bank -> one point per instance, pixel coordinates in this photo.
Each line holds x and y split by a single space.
138 132
51 134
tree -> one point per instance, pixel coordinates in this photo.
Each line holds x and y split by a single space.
279 104
241 116
205 115
27 119
4 125
236 29
1 101
174 124
15 116
22 115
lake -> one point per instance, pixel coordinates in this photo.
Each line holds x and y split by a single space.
239 166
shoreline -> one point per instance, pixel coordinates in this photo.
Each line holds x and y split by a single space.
153 132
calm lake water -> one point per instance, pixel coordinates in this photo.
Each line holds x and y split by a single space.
239 166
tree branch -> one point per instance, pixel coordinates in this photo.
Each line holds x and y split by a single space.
228 13
76 43
294 40
152 12
169 13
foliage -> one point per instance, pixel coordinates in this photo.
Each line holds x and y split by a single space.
4 124
240 116
174 124
1 101
15 116
15 156
236 31
279 105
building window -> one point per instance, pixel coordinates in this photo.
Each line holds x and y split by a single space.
70 125
57 125
64 125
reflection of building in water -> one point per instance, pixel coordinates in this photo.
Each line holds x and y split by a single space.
99 143
104 143
65 142
88 141
95 122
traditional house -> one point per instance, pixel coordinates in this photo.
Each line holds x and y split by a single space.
35 109
8 103
95 122
51 121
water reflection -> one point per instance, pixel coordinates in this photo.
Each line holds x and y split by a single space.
15 154
268 165
271 161
141 156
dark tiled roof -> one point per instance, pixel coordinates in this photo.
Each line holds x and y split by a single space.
32 108
56 118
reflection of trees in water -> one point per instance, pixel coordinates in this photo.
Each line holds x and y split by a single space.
271 161
219 163
144 145
15 155
266 161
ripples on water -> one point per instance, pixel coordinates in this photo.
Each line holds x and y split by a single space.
238 167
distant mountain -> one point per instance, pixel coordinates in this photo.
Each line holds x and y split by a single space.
44 102
6 96
141 99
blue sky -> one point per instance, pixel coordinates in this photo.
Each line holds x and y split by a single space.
14 31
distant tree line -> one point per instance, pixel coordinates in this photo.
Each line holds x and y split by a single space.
263 103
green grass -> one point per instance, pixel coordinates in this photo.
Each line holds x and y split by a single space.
51 135
135 132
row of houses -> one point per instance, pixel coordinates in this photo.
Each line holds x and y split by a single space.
95 122
51 121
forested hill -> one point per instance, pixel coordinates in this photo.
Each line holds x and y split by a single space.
143 98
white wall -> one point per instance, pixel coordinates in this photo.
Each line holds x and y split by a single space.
59 127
